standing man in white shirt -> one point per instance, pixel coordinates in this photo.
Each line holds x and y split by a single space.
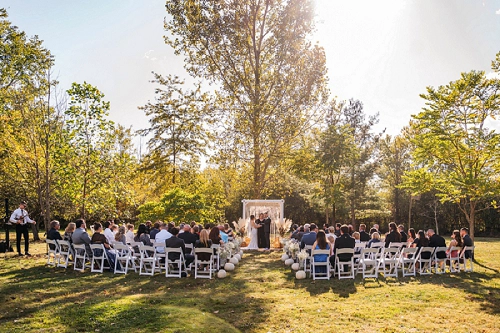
21 219
162 236
110 236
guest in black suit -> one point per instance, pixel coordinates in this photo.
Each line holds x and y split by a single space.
187 236
337 229
467 241
344 241
175 242
436 241
404 235
53 233
363 235
394 236
267 231
260 231
309 238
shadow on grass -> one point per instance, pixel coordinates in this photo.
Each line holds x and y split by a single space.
116 303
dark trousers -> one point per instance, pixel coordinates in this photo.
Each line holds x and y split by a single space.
22 230
267 240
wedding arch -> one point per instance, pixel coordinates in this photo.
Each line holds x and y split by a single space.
274 208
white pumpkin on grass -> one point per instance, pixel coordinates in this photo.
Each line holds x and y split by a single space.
241 253
289 262
284 257
295 266
300 275
229 267
237 256
221 274
234 261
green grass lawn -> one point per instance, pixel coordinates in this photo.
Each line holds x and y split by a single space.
259 296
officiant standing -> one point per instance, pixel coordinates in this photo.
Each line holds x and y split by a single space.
267 231
260 231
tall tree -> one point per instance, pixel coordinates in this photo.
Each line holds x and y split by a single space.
270 80
179 121
91 136
457 154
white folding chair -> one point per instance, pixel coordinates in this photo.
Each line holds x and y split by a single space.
174 268
368 262
467 256
307 261
199 273
345 268
65 252
454 259
425 264
159 255
52 252
408 261
399 245
147 263
389 261
81 257
124 258
326 264
189 248
99 258
216 257
440 258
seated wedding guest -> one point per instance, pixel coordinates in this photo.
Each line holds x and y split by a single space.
108 233
99 238
68 232
351 229
129 235
393 236
203 242
356 235
456 241
372 230
337 229
466 241
223 235
436 241
293 229
331 238
187 236
228 231
331 231
363 235
375 239
309 238
192 224
321 244
170 225
375 228
149 225
175 242
344 241
120 236
404 236
214 236
298 233
411 236
53 233
154 230
326 228
80 235
196 230
142 236
162 236
422 241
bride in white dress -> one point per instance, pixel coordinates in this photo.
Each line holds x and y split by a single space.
254 244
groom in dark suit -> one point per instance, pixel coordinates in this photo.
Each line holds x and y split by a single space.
267 231
260 231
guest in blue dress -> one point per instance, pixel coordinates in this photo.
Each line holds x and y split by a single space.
321 244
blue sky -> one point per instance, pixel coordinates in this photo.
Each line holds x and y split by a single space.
382 52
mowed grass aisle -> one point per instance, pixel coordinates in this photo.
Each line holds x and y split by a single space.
259 296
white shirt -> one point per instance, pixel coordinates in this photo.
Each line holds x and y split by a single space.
18 214
161 237
129 236
110 236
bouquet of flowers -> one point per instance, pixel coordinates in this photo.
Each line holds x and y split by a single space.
302 255
293 248
237 244
239 227
230 246
286 245
223 252
283 226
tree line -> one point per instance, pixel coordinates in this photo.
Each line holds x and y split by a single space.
268 128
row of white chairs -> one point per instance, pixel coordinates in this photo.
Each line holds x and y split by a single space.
370 262
148 260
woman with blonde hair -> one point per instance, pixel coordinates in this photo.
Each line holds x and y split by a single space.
120 235
203 242
69 232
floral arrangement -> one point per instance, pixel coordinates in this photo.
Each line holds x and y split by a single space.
240 227
230 246
283 226
237 243
293 247
223 252
302 255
